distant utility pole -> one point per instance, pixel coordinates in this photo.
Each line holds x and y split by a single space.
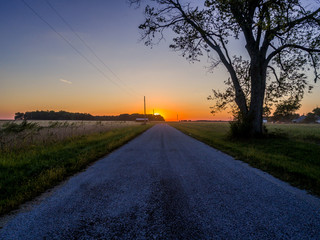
177 117
145 116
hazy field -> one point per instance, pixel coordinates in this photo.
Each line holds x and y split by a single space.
75 123
46 123
44 132
294 131
309 132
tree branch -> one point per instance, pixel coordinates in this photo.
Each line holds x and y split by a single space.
275 75
240 97
278 50
291 24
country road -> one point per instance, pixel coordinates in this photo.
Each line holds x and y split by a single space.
166 185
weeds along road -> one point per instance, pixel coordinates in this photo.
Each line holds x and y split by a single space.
166 185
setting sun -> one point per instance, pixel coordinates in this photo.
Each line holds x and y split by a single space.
43 72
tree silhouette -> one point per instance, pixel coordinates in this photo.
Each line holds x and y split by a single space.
316 111
63 115
285 111
281 40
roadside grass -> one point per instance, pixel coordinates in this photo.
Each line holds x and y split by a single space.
291 152
22 134
27 171
302 132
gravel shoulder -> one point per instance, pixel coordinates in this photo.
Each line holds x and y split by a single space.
166 185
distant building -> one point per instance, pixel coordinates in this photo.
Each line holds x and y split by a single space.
142 119
317 119
264 120
299 119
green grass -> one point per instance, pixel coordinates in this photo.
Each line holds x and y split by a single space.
301 132
27 172
291 152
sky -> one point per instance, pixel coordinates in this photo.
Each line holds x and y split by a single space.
45 66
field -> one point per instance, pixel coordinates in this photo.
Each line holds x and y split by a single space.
302 132
36 155
290 152
46 132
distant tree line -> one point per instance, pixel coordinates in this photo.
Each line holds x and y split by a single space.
63 115
286 112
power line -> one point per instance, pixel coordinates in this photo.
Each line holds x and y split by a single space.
83 41
71 45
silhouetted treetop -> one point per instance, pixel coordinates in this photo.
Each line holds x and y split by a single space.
63 115
281 41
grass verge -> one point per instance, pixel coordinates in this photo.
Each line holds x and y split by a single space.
26 173
292 159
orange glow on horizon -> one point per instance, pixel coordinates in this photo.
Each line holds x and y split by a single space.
168 114
169 109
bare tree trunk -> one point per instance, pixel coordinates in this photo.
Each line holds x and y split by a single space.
255 114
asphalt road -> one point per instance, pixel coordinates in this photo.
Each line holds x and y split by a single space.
166 185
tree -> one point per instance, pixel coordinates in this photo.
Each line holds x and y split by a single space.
316 111
18 116
281 40
310 118
285 111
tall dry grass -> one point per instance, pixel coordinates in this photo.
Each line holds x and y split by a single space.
46 132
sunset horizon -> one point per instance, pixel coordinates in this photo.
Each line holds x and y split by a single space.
89 59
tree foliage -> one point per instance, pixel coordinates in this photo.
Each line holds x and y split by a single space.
311 117
285 111
63 115
316 111
281 41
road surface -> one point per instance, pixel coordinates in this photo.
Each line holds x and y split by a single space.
166 185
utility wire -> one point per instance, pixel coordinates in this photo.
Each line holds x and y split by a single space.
73 47
84 42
